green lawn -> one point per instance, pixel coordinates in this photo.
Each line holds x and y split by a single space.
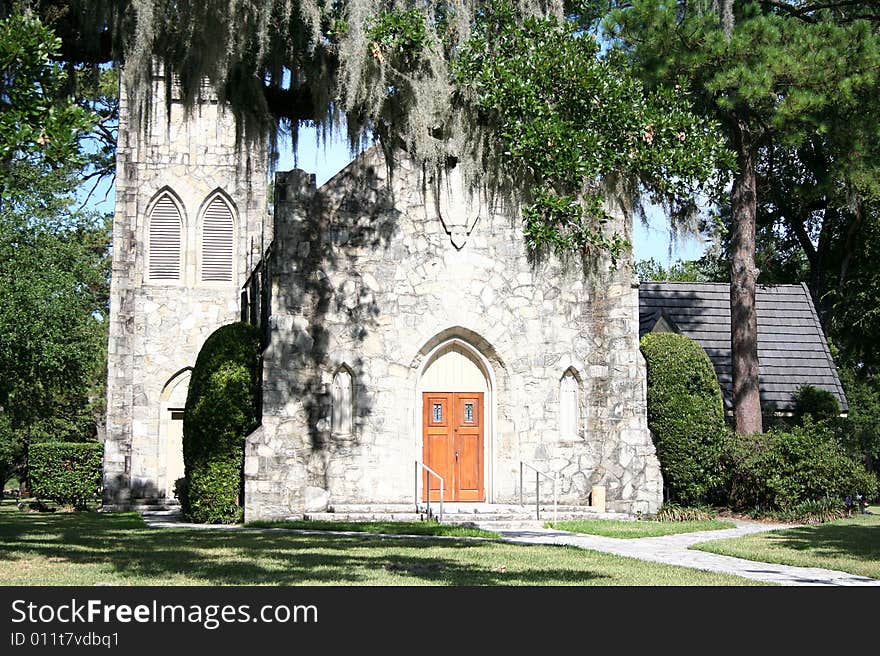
612 528
390 528
118 549
848 545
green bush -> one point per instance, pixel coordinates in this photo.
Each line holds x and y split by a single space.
68 473
686 418
814 401
672 512
221 409
782 469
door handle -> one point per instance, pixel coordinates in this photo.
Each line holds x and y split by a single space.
457 453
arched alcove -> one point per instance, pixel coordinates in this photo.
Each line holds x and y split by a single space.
342 402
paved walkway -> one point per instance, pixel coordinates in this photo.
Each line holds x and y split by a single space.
673 550
669 549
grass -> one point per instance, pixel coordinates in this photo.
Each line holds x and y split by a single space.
847 545
611 528
118 549
389 528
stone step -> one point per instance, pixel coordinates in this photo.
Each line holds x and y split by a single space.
154 503
453 507
170 513
362 517
517 519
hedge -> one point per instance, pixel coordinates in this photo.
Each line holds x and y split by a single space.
221 410
686 418
784 468
68 473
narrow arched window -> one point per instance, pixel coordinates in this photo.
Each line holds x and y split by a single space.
165 232
218 242
568 405
341 397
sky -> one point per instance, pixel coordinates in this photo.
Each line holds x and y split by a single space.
649 241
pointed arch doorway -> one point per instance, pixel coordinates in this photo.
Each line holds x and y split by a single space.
173 403
455 395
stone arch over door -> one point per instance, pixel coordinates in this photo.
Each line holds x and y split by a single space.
456 406
171 407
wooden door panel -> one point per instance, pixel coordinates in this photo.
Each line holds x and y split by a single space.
468 445
438 448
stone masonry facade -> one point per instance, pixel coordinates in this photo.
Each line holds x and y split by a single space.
371 273
157 328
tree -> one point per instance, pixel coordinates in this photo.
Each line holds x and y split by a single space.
771 73
53 260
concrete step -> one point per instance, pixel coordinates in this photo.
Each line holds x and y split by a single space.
171 513
362 517
499 517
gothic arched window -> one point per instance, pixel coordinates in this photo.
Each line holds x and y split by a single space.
218 242
164 240
569 413
342 402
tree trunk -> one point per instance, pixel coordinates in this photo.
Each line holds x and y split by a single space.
743 277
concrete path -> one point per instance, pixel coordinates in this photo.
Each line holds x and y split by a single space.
673 550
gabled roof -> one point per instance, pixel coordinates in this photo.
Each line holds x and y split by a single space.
792 349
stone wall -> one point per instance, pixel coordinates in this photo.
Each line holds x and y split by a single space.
373 271
157 329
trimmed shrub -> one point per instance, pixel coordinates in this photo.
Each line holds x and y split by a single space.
814 401
783 469
686 418
221 410
68 473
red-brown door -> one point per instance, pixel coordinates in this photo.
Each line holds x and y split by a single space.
453 445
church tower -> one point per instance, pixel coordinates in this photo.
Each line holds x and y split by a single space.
190 221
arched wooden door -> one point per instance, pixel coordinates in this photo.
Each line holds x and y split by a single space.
454 395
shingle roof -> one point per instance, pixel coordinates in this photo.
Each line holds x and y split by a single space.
792 349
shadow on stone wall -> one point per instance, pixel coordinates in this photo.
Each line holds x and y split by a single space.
350 218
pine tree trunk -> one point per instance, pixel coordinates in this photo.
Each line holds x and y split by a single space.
743 277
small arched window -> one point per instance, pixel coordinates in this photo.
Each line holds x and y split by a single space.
569 412
341 397
166 228
218 242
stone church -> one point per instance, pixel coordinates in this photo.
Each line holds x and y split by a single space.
405 326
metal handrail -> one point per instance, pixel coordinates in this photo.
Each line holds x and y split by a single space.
421 465
538 474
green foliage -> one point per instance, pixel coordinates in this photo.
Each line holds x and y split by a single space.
686 417
38 124
570 122
220 412
10 451
781 469
672 512
400 36
680 271
54 260
816 402
811 511
859 432
64 472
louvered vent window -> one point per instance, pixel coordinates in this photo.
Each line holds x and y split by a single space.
165 229
217 242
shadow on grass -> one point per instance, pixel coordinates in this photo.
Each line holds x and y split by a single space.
856 541
122 542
